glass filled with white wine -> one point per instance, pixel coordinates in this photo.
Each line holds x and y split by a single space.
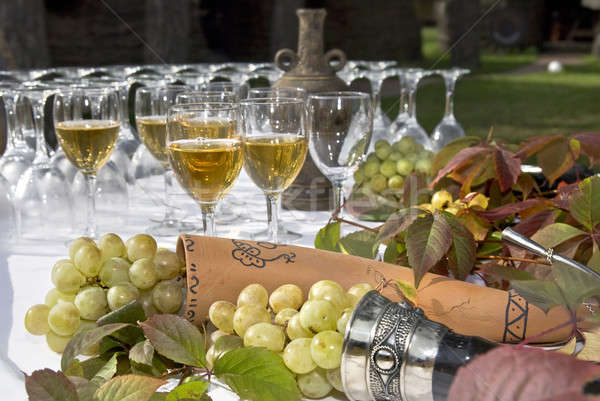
151 105
206 153
86 121
275 146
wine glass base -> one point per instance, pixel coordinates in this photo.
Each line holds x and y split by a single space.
284 236
170 228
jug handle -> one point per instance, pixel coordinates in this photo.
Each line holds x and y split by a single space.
282 57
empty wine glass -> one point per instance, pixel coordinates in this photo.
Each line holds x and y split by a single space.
8 223
412 127
377 73
42 197
151 105
86 121
403 116
448 129
205 152
274 148
206 96
241 90
340 125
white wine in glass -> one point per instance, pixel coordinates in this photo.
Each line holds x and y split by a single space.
153 131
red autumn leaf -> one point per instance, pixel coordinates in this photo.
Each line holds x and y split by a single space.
504 211
590 145
461 159
508 168
532 224
528 374
535 144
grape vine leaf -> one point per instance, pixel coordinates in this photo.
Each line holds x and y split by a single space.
227 343
556 233
427 241
590 145
461 256
408 291
190 391
360 243
461 159
257 374
85 339
585 202
176 338
448 152
557 157
142 352
393 251
397 223
543 294
84 387
48 385
107 371
128 388
327 238
524 374
576 286
535 144
502 212
129 313
507 167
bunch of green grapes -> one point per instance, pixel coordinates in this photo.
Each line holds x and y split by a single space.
307 334
101 277
384 171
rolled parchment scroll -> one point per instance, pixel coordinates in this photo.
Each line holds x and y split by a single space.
218 268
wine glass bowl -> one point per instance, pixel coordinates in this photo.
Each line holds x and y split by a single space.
449 128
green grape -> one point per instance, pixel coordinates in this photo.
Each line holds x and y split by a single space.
253 294
63 319
142 274
248 315
54 296
372 157
85 325
423 166
60 263
378 183
266 335
283 316
111 246
114 271
406 145
382 149
395 156
404 167
359 176
210 357
167 264
359 290
334 377
221 314
88 260
145 299
215 335
314 384
342 322
413 157
121 294
140 246
57 343
326 349
371 168
318 315
396 182
167 297
75 245
92 303
331 291
286 296
388 168
295 330
36 319
296 356
67 279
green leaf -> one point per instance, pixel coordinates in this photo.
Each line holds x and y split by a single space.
397 223
176 338
427 241
109 343
392 252
85 339
85 388
74 369
576 286
461 256
159 397
225 344
93 365
557 158
543 294
408 290
360 243
130 313
128 388
555 234
506 272
585 202
448 152
142 353
327 238
257 374
107 371
48 385
190 391
488 248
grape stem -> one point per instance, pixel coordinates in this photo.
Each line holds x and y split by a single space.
342 220
515 259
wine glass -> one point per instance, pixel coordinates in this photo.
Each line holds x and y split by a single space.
206 96
403 115
340 125
7 212
206 153
448 129
42 195
151 105
376 74
412 127
87 123
274 148
241 90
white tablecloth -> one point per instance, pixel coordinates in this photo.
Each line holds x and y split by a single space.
25 267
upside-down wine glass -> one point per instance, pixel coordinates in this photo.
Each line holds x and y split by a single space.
340 125
448 129
403 116
378 72
87 122
206 154
275 147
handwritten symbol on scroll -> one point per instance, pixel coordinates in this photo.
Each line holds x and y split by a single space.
190 315
189 244
193 287
249 255
515 324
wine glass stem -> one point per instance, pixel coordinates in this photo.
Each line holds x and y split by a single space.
450 84
208 220
338 198
412 102
273 217
168 181
90 179
41 149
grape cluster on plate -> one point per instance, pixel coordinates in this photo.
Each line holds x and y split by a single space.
102 277
309 335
